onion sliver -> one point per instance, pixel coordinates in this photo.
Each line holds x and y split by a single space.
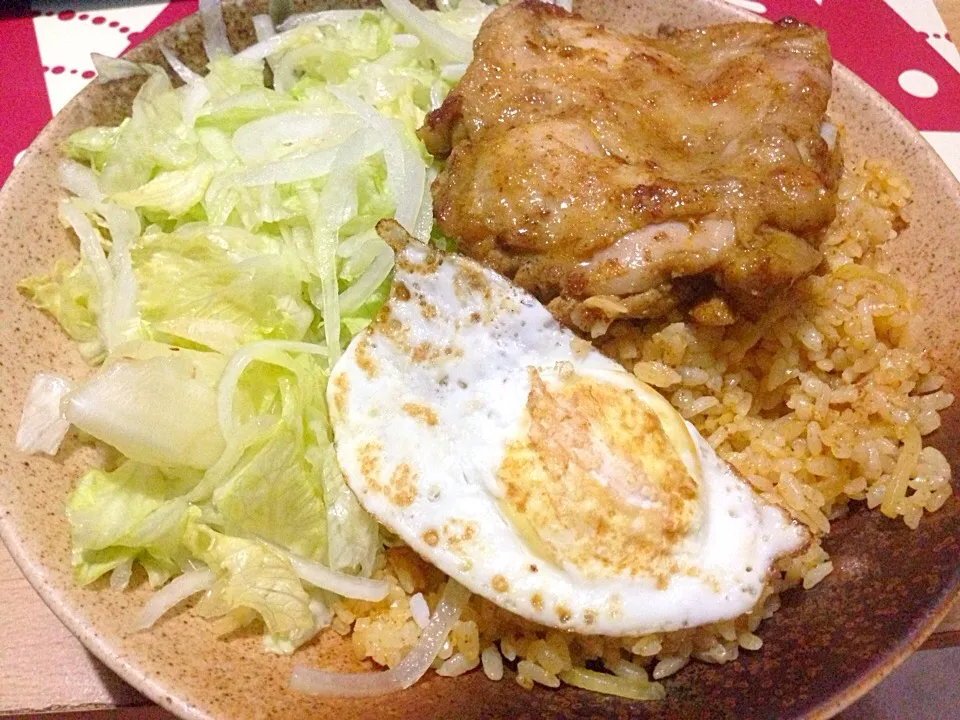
440 39
263 27
178 66
354 296
348 586
120 577
264 351
323 17
172 594
109 68
409 671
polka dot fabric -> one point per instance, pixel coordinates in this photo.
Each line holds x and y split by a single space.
900 47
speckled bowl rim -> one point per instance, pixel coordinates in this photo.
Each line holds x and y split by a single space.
167 698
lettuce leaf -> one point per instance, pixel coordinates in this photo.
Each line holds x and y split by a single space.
253 577
219 287
173 192
275 491
92 144
353 535
228 254
128 405
69 293
132 511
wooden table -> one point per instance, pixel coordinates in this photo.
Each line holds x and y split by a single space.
45 668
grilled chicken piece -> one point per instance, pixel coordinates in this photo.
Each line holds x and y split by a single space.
585 161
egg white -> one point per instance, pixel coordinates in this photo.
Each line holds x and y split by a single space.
424 403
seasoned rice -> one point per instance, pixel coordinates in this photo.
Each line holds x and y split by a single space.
821 401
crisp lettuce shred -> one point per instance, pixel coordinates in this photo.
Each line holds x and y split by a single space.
228 253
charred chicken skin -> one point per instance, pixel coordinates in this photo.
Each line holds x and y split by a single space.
694 166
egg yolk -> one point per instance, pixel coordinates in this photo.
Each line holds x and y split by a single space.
594 482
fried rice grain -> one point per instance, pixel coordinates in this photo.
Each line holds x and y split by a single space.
822 402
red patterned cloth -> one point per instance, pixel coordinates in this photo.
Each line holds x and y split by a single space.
900 47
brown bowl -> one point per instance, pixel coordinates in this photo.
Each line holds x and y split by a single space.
825 648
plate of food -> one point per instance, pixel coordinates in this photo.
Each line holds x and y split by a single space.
485 361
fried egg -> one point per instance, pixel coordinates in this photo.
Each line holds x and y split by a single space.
537 472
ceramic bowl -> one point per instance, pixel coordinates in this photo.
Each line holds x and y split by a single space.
826 647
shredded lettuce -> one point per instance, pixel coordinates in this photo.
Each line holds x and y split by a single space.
70 294
251 576
228 253
136 511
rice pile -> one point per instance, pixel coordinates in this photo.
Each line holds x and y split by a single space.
821 401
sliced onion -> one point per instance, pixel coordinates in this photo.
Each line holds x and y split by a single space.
285 71
178 66
238 363
80 180
318 575
358 243
307 167
402 40
440 39
120 577
118 313
172 594
268 41
361 256
269 44
409 671
194 96
121 319
91 252
118 289
91 245
109 68
424 223
263 27
453 71
406 175
214 29
42 426
266 138
265 48
355 295
324 17
326 212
